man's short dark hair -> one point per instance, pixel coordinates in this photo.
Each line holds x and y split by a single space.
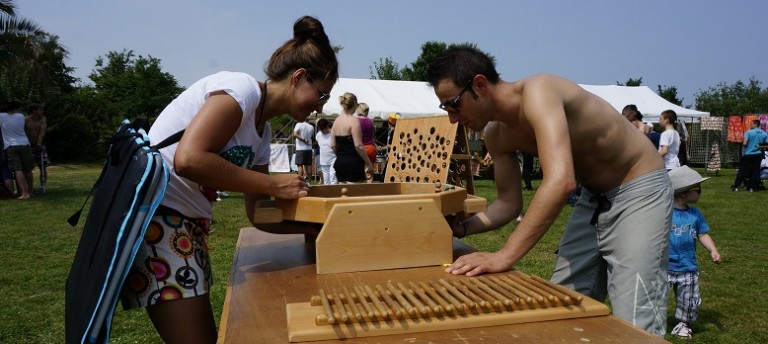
461 64
12 105
629 107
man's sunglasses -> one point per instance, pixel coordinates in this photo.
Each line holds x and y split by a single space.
454 104
323 96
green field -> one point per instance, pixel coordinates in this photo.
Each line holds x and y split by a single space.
38 246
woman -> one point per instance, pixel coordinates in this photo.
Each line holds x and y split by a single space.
225 147
669 142
368 130
352 163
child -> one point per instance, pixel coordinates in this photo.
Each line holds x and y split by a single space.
688 224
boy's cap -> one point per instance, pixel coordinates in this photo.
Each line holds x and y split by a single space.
684 178
393 117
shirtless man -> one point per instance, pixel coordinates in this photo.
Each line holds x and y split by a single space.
615 243
35 126
633 115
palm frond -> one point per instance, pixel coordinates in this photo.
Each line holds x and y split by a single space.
8 7
19 26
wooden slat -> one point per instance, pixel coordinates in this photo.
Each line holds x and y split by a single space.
410 311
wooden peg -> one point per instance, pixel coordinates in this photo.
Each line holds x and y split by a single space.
327 307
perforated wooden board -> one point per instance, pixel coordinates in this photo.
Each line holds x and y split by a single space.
421 150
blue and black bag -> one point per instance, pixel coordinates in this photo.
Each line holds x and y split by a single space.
126 195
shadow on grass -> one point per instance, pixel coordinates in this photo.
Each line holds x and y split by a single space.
709 318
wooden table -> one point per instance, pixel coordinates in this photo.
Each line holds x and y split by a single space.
271 270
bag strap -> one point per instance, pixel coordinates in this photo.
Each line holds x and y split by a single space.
169 140
143 123
139 123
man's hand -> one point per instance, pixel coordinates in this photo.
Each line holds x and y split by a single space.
479 263
457 228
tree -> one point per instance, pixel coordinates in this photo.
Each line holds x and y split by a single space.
125 86
386 69
417 71
17 35
133 86
32 67
631 82
669 93
736 99
33 70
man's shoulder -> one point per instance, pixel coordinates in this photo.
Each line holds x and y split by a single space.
544 81
542 77
493 128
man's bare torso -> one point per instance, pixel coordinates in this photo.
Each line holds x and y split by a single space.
606 149
33 126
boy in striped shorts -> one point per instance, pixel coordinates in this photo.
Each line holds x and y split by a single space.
688 224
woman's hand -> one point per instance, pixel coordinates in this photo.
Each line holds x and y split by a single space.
368 171
289 186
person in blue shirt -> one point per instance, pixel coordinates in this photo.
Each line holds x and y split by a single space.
749 164
654 136
688 225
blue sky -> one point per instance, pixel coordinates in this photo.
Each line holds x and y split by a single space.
692 45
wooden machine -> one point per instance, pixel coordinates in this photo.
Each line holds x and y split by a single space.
395 235
377 226
396 224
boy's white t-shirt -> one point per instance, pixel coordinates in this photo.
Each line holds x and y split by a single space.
245 148
327 156
671 139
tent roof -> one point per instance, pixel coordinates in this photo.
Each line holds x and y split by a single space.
417 99
409 98
648 102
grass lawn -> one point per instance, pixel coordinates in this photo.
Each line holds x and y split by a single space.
38 247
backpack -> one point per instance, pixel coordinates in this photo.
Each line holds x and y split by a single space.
125 196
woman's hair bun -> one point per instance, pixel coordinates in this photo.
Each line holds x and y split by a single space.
308 27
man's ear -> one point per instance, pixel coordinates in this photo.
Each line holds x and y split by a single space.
480 84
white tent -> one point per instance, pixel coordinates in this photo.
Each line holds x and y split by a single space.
648 102
409 98
417 99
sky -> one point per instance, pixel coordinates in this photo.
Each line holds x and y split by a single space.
690 44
